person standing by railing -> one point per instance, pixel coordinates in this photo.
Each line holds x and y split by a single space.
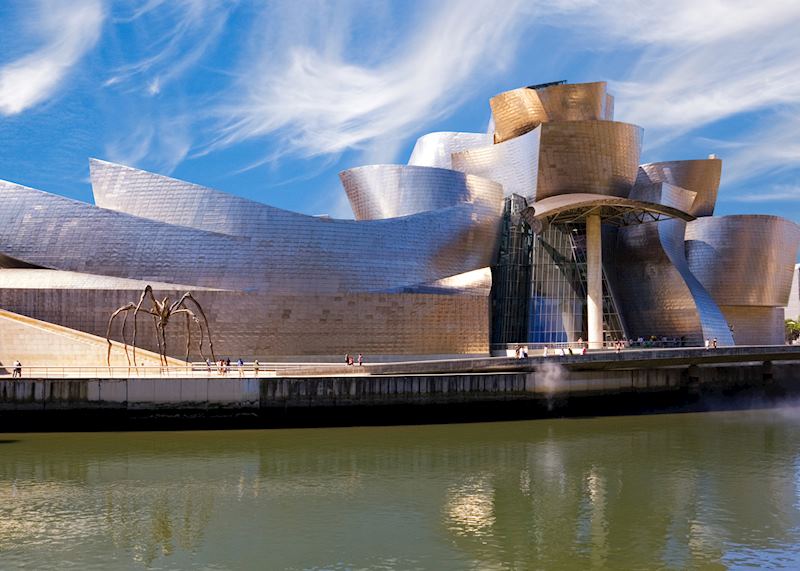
240 366
256 366
17 372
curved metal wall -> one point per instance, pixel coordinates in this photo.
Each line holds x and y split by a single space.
434 149
389 191
665 194
514 164
292 253
598 157
657 292
744 259
700 176
520 110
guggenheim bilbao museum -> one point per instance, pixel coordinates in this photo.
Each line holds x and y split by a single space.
545 230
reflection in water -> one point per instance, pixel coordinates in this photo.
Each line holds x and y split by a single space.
469 507
640 492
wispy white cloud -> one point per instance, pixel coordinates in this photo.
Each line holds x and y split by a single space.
317 92
64 33
698 63
778 193
171 37
160 144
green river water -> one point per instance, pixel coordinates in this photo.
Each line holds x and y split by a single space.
712 490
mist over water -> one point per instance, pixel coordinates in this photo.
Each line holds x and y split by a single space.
668 491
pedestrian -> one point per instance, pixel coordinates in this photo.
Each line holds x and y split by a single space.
583 349
256 366
516 352
208 365
714 343
360 360
17 372
347 358
708 344
350 360
240 366
544 351
227 365
525 352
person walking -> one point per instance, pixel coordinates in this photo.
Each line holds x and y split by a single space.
347 358
17 372
714 343
256 366
360 359
240 366
708 344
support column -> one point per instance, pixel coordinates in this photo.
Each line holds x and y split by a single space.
594 281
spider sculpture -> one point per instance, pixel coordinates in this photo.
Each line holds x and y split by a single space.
160 312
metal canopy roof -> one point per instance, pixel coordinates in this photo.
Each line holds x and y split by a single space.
617 211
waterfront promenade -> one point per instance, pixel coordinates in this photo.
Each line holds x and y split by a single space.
417 391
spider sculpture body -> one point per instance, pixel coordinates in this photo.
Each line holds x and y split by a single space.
160 311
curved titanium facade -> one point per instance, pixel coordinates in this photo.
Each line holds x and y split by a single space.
598 157
744 259
514 164
434 149
311 255
700 176
521 110
660 294
389 191
271 282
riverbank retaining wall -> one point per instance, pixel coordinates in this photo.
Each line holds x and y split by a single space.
545 383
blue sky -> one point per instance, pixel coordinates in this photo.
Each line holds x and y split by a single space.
270 100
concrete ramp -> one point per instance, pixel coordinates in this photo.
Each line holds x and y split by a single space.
37 343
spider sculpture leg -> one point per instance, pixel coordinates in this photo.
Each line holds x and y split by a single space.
181 303
124 309
147 290
190 316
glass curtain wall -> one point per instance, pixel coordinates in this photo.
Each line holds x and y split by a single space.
558 289
539 284
511 277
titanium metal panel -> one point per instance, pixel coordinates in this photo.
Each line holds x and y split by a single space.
658 295
665 194
700 176
744 259
521 110
314 255
755 325
597 157
514 163
377 192
43 279
434 149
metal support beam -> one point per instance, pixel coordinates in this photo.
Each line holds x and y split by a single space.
594 281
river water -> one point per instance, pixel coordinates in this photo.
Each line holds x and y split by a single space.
712 490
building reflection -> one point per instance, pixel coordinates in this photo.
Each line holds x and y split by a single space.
680 491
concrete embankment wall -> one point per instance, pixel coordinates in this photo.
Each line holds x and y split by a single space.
547 390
